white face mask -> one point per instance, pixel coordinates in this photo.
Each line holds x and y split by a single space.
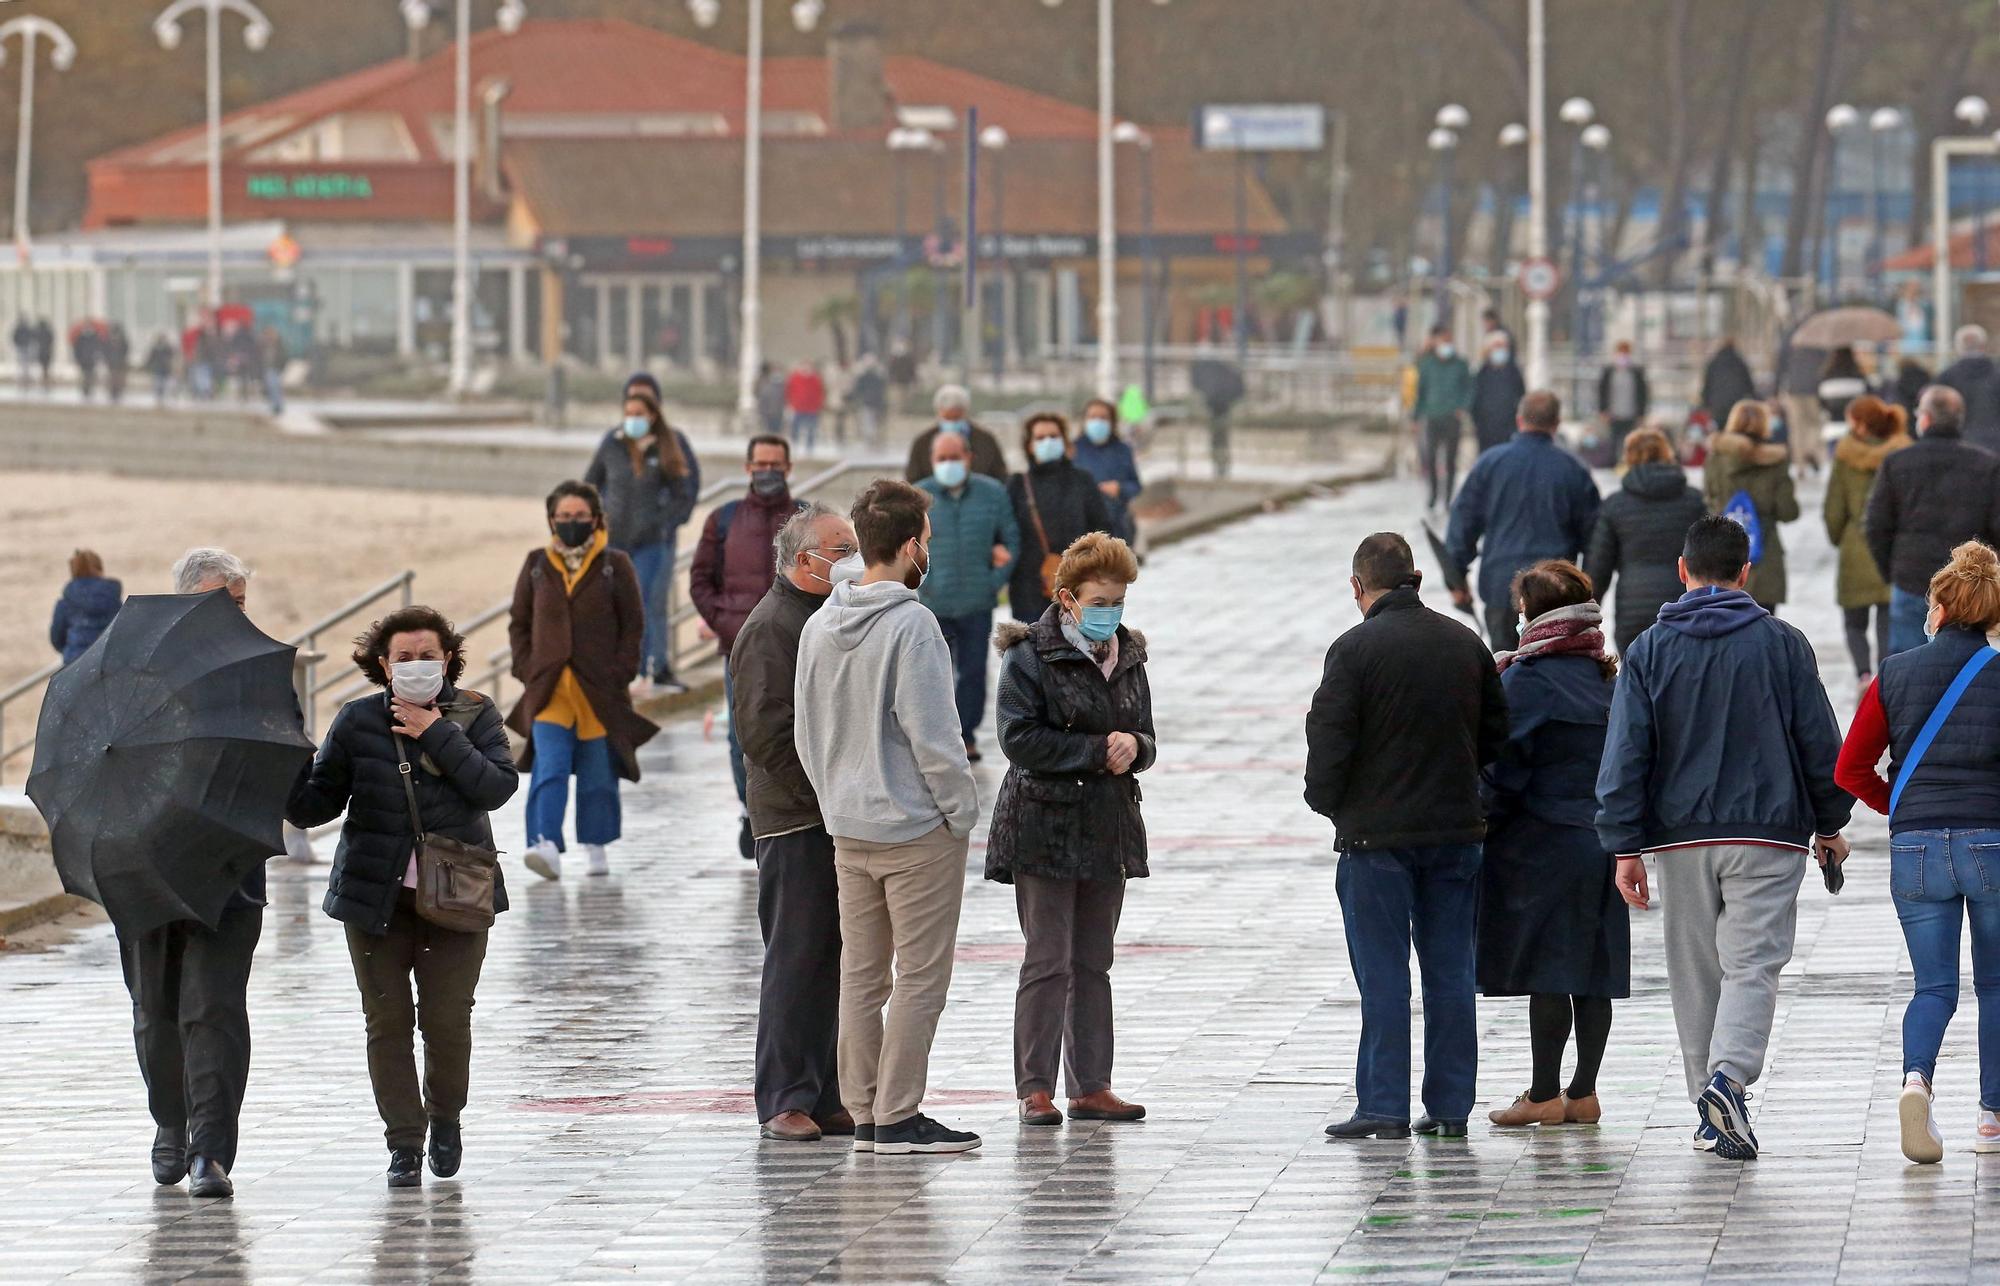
417 682
851 568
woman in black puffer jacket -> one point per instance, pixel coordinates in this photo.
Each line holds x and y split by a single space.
1076 724
1640 532
1055 503
461 768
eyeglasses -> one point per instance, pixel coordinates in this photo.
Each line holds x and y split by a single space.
838 552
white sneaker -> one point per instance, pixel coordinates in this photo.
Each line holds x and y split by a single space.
1986 1137
599 864
544 859
1921 1141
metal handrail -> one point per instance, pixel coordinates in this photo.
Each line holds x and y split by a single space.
39 679
310 686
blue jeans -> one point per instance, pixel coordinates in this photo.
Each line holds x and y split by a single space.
1389 898
805 428
558 756
655 565
737 773
1907 616
968 637
1940 878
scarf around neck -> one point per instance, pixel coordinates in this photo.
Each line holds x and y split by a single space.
1576 630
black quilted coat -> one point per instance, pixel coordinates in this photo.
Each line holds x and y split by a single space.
1060 814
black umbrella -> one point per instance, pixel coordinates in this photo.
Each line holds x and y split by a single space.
1454 575
163 759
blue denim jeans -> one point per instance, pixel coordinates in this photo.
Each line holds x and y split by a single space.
558 756
737 772
805 430
1939 879
970 640
655 565
1907 613
1390 898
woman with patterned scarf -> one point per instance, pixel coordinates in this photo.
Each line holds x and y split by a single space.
1551 924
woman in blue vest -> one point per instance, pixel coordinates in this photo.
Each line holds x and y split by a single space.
1936 710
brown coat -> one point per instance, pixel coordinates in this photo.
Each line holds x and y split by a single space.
595 633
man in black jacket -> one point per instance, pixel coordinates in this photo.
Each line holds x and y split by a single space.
798 898
1974 377
1409 708
1927 500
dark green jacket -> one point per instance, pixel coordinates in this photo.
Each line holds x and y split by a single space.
964 529
1444 387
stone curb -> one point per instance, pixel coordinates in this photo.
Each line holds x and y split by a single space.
14 919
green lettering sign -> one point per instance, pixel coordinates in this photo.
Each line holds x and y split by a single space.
309 187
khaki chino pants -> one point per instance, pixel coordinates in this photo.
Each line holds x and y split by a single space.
898 903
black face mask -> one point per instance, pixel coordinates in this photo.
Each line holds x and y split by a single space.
575 533
768 482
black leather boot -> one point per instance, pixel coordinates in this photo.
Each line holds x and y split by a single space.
170 1156
447 1148
406 1167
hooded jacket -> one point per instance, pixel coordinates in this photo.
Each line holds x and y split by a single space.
1856 462
1725 381
1976 378
1496 400
1522 502
1637 543
1720 733
1940 493
86 607
874 721
1738 462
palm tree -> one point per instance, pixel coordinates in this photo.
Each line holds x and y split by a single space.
836 313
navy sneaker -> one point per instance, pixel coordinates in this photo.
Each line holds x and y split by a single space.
1727 1108
921 1134
1704 1137
864 1137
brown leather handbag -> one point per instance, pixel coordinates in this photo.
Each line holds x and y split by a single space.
1050 559
454 879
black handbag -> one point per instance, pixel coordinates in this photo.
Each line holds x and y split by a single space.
455 880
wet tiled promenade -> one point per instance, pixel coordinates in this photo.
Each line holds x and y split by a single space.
610 1136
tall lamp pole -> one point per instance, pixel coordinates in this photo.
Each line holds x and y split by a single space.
750 352
1841 119
994 139
1443 140
1578 112
1973 110
1538 187
62 53
1130 134
1882 122
1596 138
256 34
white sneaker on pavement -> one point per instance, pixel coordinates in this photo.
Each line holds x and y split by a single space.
1986 1137
544 859
598 863
1921 1141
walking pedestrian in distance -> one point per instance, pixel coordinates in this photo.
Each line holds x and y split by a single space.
1104 454
1055 503
1551 924
1523 503
880 745
770 399
1444 396
975 544
798 894
24 351
1623 398
117 361
1636 543
1408 709
1975 377
1928 500
672 521
1720 760
575 629
190 991
642 470
805 400
954 415
1076 723
1933 709
1745 479
86 607
1497 391
160 367
870 392
1875 431
1726 380
421 758
45 351
272 358
731 573
1841 380
86 348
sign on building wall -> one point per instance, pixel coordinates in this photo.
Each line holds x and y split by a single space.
1260 127
333 186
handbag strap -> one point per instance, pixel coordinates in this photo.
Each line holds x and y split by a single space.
1970 671
1035 512
409 790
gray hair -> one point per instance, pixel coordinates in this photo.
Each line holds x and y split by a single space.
1970 339
796 536
951 395
1941 407
198 567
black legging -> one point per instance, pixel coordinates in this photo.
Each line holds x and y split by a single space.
1548 1032
1856 621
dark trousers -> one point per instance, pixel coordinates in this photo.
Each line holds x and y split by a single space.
1619 431
445 965
1438 448
1063 1003
1503 625
191 1024
1856 621
969 638
798 1002
1389 898
738 774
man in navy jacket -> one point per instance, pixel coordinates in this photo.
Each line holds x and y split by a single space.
1720 760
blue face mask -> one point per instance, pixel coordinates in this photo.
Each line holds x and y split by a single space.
1099 623
1048 450
1097 430
949 473
637 426
961 427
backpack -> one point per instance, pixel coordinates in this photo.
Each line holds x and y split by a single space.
1742 511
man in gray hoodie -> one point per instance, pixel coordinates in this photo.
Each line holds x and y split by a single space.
878 736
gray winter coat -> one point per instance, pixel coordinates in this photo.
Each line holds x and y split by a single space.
647 507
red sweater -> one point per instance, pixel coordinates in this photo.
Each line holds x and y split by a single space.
1867 741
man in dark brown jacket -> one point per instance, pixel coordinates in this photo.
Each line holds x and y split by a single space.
732 571
798 898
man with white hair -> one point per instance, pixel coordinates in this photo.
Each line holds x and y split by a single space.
190 992
954 415
1975 377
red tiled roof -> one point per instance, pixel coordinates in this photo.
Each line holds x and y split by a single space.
1923 258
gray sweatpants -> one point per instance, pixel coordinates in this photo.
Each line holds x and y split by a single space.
1731 915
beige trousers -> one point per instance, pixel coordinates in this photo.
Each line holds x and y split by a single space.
898 903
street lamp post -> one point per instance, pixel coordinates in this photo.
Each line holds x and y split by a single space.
1443 140
1973 111
256 34
417 13
994 139
1577 112
1881 123
750 351
1512 135
1596 138
903 140
62 52
1538 187
1131 134
1841 119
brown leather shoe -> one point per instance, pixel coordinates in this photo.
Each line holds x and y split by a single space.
1524 1112
790 1127
1104 1106
839 1124
1040 1109
1582 1111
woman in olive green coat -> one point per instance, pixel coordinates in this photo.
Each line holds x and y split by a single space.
1742 460
1875 430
